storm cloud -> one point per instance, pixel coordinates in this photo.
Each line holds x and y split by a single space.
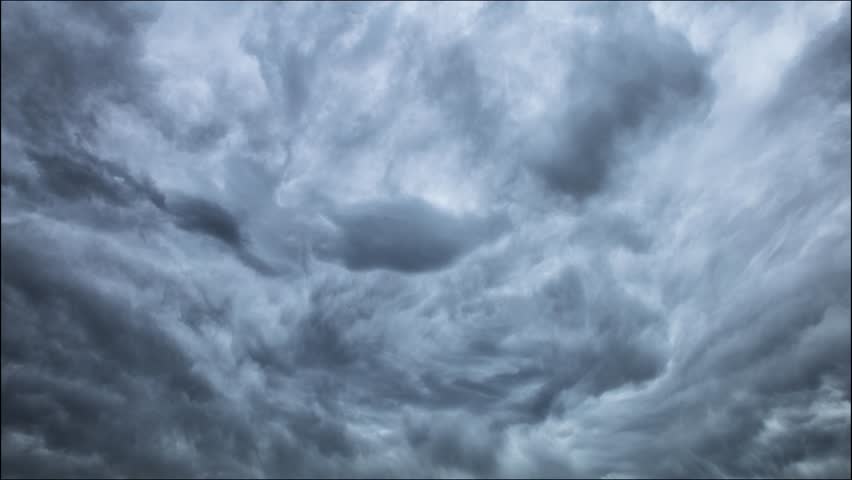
408 235
505 239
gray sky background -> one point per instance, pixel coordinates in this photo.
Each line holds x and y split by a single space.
407 239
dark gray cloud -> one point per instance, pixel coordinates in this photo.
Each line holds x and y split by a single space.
79 176
629 77
72 56
451 442
819 70
408 235
385 240
72 402
208 218
451 79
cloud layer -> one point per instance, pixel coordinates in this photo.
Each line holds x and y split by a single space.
407 240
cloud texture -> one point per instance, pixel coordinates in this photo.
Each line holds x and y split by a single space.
425 240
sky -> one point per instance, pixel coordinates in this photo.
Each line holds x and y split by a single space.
445 240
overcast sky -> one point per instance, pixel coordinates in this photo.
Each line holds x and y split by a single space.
589 240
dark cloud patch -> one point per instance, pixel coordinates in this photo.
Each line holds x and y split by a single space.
94 367
330 438
627 79
204 135
82 176
62 60
292 76
455 443
208 218
452 79
408 235
95 355
326 336
820 70
818 80
322 338
612 353
71 61
43 281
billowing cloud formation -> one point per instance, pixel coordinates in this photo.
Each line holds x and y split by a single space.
445 240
